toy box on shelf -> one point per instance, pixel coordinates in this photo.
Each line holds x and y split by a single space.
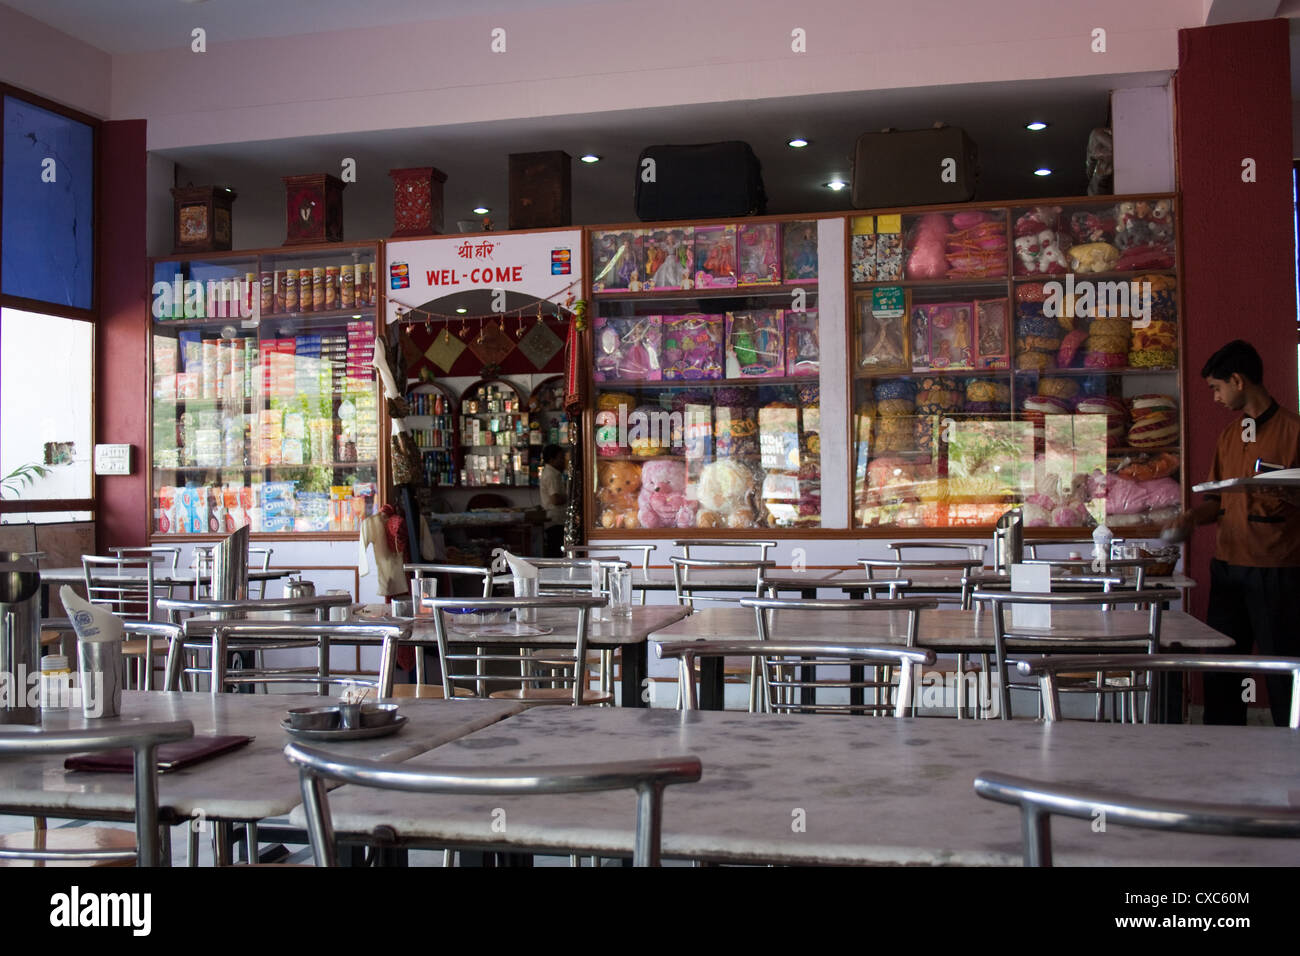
265 408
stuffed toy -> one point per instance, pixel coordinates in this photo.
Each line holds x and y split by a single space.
928 240
728 496
662 502
607 421
1093 257
650 431
617 485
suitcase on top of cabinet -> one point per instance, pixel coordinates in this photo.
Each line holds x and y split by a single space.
916 167
703 181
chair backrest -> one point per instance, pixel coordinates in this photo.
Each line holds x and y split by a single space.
973 549
490 648
1047 670
1039 801
900 567
222 637
142 740
1123 589
485 575
784 664
647 777
603 551
124 586
726 543
168 556
1137 566
318 604
580 572
1081 545
689 591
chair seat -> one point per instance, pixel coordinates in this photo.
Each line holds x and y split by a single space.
552 695
136 647
427 691
51 637
69 838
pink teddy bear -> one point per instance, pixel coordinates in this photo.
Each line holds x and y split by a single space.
662 502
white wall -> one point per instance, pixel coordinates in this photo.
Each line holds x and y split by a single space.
51 64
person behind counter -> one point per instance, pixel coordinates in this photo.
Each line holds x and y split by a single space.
1255 574
553 485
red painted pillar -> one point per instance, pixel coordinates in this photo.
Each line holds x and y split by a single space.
121 338
1233 102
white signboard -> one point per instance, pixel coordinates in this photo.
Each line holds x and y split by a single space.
112 459
543 265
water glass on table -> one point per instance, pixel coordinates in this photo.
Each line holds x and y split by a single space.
525 588
598 588
620 592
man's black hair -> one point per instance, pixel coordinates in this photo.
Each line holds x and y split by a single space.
1236 358
549 453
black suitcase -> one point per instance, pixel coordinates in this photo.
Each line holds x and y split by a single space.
705 181
914 168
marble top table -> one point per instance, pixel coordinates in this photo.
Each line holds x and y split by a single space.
1267 481
251 783
866 790
945 631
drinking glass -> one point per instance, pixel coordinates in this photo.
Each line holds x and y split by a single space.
620 592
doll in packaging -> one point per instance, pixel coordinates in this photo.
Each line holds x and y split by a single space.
627 349
759 251
692 346
799 252
754 344
715 257
669 258
616 261
802 346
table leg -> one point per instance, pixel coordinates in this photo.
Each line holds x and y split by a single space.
712 688
632 678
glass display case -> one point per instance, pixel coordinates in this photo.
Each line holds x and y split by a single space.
265 407
1017 356
706 347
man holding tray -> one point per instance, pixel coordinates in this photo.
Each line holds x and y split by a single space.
1255 574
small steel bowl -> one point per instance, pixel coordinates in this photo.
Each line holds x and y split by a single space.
314 718
378 715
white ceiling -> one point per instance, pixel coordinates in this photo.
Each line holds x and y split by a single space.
136 26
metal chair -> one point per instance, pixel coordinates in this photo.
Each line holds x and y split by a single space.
1148 640
783 663
143 740
125 587
526 676
262 557
647 777
687 592
181 655
1039 801
482 579
1049 669
1138 566
882 682
617 550
1032 545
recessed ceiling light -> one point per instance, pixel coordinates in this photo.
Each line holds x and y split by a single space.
590 158
461 311
836 185
481 210
1043 171
357 316
1035 126
797 143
